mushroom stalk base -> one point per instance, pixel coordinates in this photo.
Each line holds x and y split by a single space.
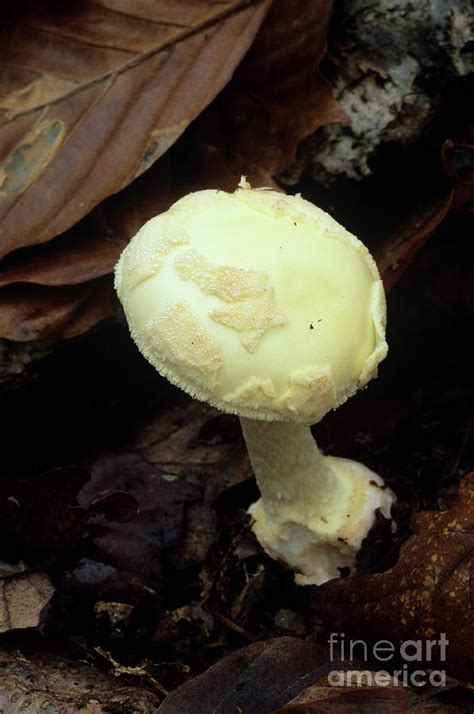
315 510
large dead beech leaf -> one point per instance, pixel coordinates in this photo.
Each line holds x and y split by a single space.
91 248
91 94
429 591
23 595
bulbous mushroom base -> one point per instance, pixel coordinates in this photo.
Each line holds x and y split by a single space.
317 549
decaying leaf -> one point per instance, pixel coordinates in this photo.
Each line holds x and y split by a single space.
49 683
256 679
42 513
23 595
131 548
287 675
428 592
39 512
361 696
93 93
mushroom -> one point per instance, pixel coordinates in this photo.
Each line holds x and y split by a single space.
264 306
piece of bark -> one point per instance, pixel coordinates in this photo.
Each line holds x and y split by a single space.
389 62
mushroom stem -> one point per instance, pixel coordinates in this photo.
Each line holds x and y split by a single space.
314 510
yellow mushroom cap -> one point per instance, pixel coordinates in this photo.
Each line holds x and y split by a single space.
256 302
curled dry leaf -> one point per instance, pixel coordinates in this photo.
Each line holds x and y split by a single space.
93 93
23 596
428 592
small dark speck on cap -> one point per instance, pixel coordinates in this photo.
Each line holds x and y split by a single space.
295 223
311 326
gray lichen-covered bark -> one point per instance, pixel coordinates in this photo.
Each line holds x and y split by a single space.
388 61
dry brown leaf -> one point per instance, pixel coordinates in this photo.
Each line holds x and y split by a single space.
35 312
23 595
278 96
92 94
429 591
